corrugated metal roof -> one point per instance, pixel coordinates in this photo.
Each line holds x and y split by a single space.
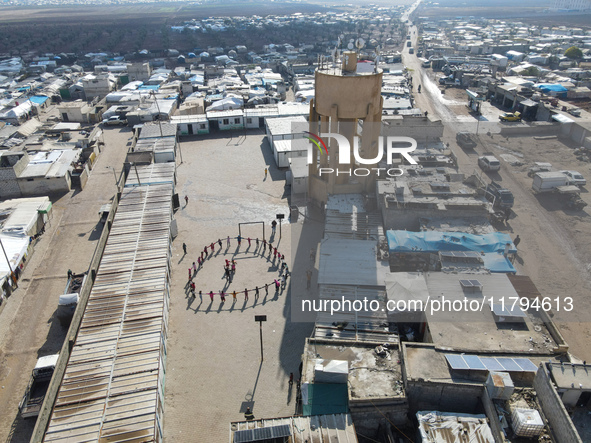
112 384
155 173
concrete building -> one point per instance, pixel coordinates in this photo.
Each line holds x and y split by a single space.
428 194
231 119
191 124
48 172
422 129
97 85
358 377
139 71
335 112
79 111
336 428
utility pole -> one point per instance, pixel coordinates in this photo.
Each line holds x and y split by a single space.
12 273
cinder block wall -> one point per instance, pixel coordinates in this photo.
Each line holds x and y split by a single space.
555 412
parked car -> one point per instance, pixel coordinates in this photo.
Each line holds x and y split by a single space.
575 178
510 117
489 163
448 81
32 401
465 140
114 121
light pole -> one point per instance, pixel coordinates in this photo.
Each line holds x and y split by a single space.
114 174
280 217
261 319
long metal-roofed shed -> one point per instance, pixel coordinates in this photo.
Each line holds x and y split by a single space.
154 174
160 149
113 386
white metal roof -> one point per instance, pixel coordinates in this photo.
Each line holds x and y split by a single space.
284 125
350 262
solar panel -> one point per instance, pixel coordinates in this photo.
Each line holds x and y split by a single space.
476 283
509 364
258 434
466 283
526 364
508 311
456 361
492 364
474 362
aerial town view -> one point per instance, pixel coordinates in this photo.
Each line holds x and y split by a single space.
278 221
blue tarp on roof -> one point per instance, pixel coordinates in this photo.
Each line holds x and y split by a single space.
38 99
151 87
433 241
496 262
550 87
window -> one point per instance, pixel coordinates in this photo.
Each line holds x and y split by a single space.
226 121
237 121
202 126
249 120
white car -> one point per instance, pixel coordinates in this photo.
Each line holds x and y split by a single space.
489 163
575 178
114 121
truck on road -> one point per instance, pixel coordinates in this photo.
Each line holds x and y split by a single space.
465 140
548 181
32 401
501 197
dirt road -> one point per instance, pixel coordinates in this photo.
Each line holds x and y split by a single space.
555 250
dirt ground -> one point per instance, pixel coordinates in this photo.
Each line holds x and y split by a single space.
556 247
555 250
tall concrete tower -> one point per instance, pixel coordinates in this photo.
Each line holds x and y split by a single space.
346 99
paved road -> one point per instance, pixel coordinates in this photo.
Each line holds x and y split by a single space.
28 328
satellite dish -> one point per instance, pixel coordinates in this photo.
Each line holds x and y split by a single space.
360 43
350 45
342 36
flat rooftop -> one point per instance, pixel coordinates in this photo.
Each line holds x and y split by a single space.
424 362
350 262
470 323
336 428
370 375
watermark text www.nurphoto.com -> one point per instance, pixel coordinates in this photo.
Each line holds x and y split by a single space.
443 304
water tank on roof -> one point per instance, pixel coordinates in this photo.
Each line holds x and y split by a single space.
527 422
